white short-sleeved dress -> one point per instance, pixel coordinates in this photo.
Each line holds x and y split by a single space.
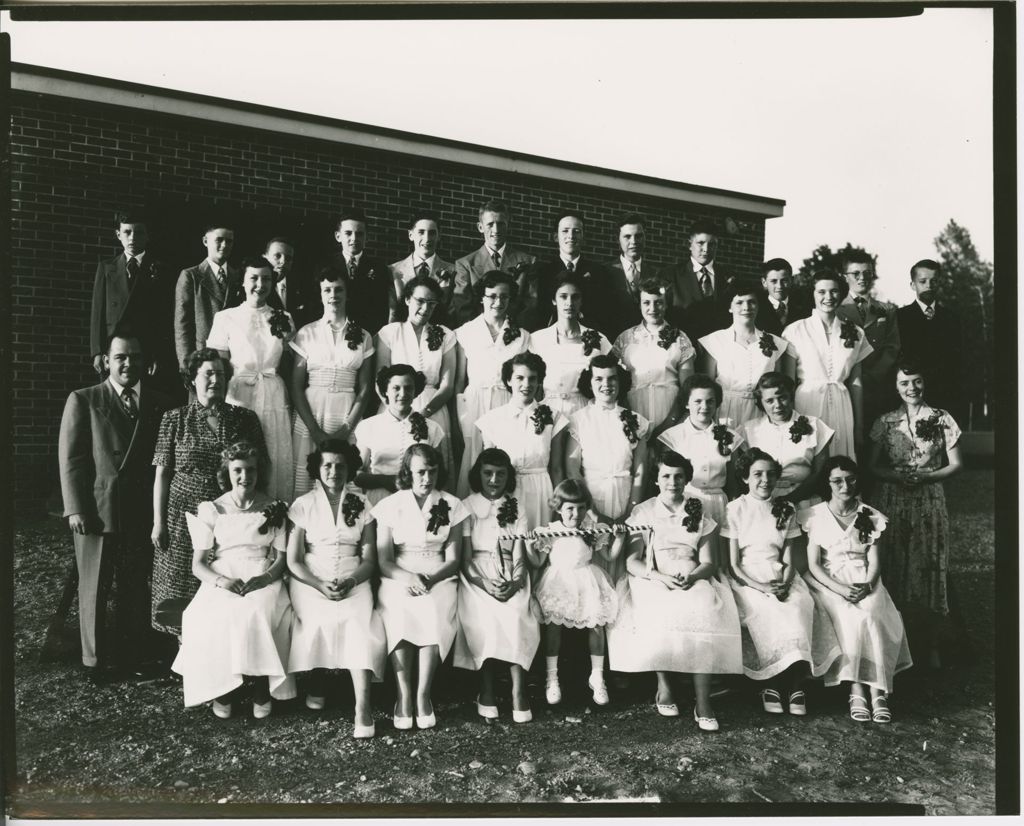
695 631
796 455
514 430
776 633
740 366
822 367
382 441
572 590
709 463
654 366
428 619
489 629
226 636
255 353
871 633
565 360
484 388
332 368
326 633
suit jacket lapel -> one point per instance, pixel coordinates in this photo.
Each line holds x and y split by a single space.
117 280
209 282
115 413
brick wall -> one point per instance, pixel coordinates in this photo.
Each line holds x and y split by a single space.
73 164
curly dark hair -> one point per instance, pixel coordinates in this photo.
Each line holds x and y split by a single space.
492 456
385 374
770 380
431 455
826 274
422 281
604 361
833 462
233 453
347 451
492 278
745 461
699 381
565 277
530 360
908 366
653 286
669 458
196 359
742 286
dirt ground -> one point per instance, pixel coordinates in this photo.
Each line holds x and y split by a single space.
81 746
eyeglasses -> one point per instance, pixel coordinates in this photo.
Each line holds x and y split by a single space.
848 481
425 302
496 298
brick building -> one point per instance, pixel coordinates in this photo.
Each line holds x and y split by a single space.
82 147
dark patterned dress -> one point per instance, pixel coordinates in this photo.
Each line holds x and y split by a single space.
191 450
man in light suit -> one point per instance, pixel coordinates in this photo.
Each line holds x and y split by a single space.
697 286
134 288
203 290
107 436
627 271
372 300
291 292
496 254
881 329
425 235
780 305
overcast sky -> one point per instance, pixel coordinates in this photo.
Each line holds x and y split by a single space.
873 131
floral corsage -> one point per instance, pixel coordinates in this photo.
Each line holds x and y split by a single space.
280 326
782 510
510 334
435 336
694 511
274 514
721 434
439 514
353 335
630 426
864 525
418 427
767 344
591 341
508 512
667 336
444 277
801 427
541 418
848 333
930 429
351 507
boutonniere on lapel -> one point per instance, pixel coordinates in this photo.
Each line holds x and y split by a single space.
418 427
694 511
280 326
351 506
801 427
848 333
435 337
508 512
372 274
930 429
274 516
782 510
439 516
767 344
444 277
667 336
591 341
353 335
153 269
864 525
510 334
630 426
585 275
721 434
541 418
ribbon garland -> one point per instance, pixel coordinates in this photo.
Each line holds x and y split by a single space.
539 533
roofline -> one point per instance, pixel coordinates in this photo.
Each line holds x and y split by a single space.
60 83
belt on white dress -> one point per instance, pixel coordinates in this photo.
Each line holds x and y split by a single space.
252 377
333 380
738 394
530 471
595 475
706 491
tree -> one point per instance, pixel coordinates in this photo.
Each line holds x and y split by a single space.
823 258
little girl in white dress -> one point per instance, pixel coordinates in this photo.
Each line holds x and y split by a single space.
572 591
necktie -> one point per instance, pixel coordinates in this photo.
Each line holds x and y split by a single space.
423 269
128 400
705 283
282 291
220 275
570 267
352 267
929 311
634 287
133 271
496 258
782 313
862 305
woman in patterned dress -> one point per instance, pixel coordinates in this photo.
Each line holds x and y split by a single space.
659 358
739 355
332 376
915 448
187 458
485 344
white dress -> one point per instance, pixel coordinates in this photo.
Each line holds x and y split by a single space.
382 441
484 388
696 631
227 636
871 634
428 619
345 633
513 430
822 368
654 369
400 337
572 590
489 629
776 633
739 367
332 368
709 465
796 457
255 353
564 360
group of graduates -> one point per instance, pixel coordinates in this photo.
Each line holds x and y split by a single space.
668 460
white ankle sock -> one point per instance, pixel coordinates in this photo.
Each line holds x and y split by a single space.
552 663
597 665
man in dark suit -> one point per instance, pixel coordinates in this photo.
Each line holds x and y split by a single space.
780 304
494 222
627 271
931 335
107 436
372 301
697 286
134 288
536 310
203 290
291 292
